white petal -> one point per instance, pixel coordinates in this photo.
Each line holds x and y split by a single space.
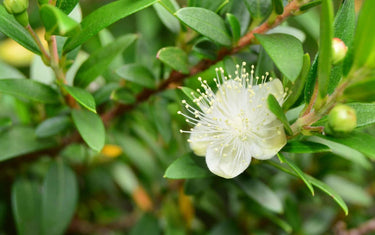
227 163
198 143
274 87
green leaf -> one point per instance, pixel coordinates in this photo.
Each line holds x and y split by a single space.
10 27
259 10
98 61
206 23
310 5
305 147
261 193
103 17
174 57
275 108
350 192
123 95
357 140
365 113
328 190
66 5
57 22
7 71
82 96
5 122
325 46
168 19
124 176
59 198
26 204
364 40
206 48
189 93
21 140
138 74
90 127
278 6
235 26
311 80
298 171
147 224
187 167
361 91
52 126
29 89
286 52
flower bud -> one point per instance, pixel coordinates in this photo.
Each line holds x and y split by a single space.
16 6
339 50
342 119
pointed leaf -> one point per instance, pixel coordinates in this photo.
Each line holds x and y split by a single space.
90 127
278 6
234 26
275 108
57 22
286 52
82 96
138 74
305 147
168 19
205 22
52 126
175 58
187 167
103 17
361 91
365 113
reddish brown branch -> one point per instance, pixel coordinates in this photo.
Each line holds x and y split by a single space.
365 228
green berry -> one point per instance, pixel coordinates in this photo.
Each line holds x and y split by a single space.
342 119
16 6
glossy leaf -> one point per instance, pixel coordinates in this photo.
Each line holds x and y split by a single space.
261 193
325 47
56 22
66 5
52 126
275 108
305 147
361 91
175 58
206 23
10 27
298 171
108 14
138 74
90 127
59 198
21 140
29 89
187 167
235 26
26 204
286 52
82 96
98 61
365 113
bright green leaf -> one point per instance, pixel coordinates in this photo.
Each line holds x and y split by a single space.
21 140
168 19
325 46
286 52
52 126
82 96
59 198
235 26
310 5
138 74
187 167
10 27
98 61
305 147
26 204
175 58
275 108
57 22
103 17
29 89
5 122
66 5
91 128
365 113
206 23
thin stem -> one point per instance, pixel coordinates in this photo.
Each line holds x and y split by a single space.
45 55
313 98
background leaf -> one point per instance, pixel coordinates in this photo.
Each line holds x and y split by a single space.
304 147
365 113
138 74
187 167
66 5
82 96
52 126
175 58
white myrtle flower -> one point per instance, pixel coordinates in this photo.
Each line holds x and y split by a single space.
234 124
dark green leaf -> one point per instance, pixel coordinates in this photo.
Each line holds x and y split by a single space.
234 26
21 140
261 193
103 17
123 96
175 58
104 93
278 6
26 204
5 122
66 5
59 198
206 48
259 10
52 126
328 190
311 80
168 19
286 52
365 113
298 171
98 61
275 108
147 224
138 74
187 167
91 128
56 22
10 27
29 89
305 147
325 46
206 23
361 91
82 96
310 5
